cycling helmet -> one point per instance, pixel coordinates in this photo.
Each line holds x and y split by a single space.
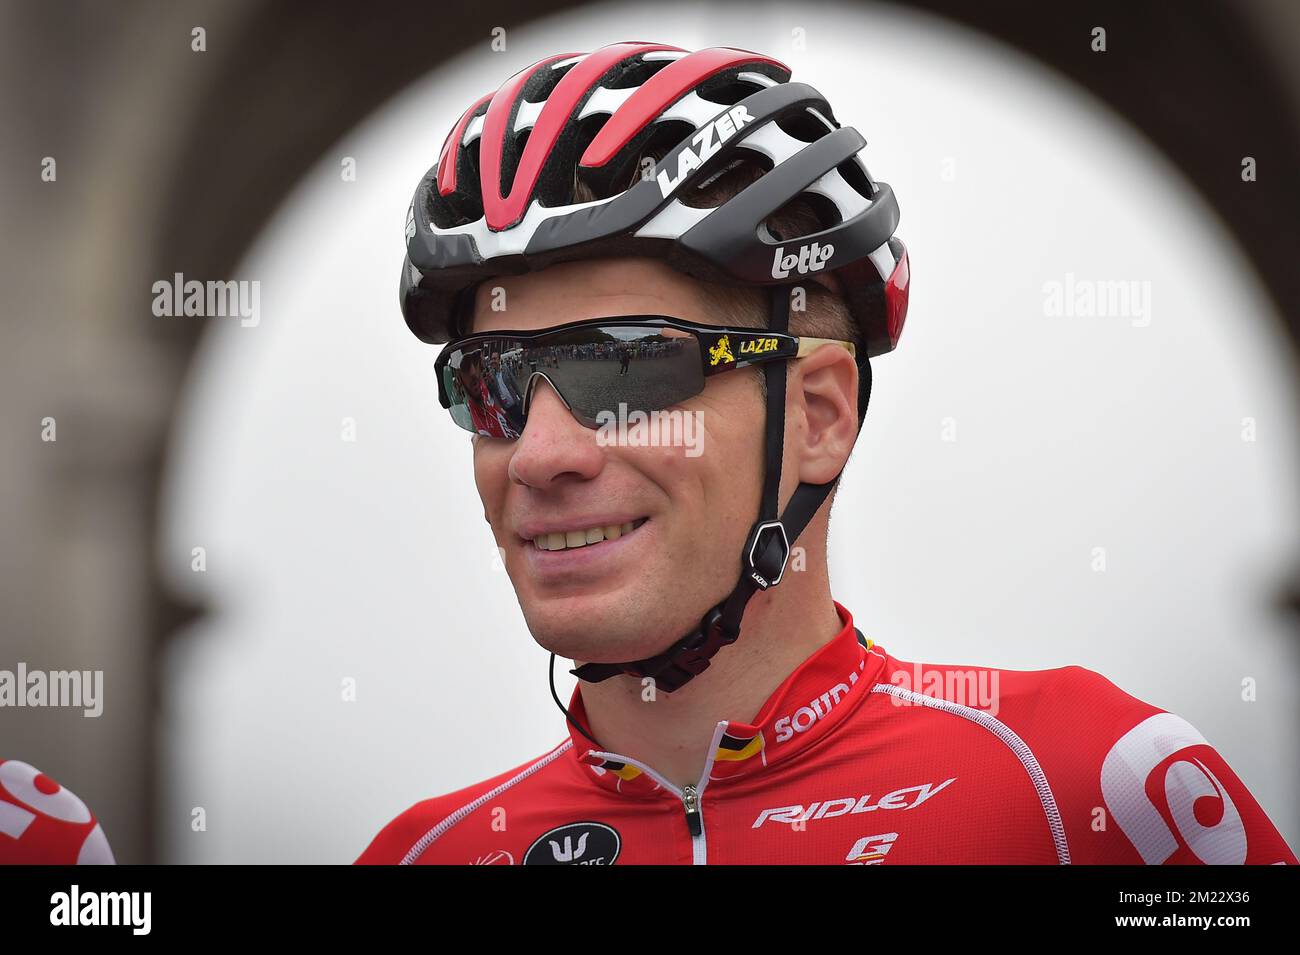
503 199
500 199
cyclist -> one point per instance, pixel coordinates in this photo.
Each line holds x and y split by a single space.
705 214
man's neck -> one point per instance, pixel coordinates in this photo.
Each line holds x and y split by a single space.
671 732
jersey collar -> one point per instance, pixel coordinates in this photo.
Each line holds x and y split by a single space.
805 707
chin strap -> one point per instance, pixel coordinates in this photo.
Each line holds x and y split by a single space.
762 562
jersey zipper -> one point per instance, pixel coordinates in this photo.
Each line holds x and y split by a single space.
691 800
691 796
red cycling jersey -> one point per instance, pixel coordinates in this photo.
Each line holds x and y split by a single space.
859 757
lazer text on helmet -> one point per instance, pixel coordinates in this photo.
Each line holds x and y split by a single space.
725 126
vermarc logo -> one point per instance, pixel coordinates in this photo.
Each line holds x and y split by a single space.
578 843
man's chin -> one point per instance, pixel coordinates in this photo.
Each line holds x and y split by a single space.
591 634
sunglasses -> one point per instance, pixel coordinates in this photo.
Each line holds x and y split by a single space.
645 362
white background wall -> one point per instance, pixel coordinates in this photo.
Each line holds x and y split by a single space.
368 560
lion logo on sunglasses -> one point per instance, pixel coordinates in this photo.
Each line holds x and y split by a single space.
721 352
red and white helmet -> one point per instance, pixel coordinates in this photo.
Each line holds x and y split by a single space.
501 198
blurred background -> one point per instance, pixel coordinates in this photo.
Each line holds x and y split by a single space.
264 532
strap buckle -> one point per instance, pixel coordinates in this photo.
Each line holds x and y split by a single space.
768 539
692 657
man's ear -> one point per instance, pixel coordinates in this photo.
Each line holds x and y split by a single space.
824 392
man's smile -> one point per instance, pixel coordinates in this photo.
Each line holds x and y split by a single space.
581 534
579 548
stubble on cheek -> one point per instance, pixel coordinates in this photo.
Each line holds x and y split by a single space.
492 481
696 565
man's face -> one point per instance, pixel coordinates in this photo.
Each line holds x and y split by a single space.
628 598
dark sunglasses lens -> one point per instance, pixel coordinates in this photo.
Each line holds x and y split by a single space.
483 389
602 372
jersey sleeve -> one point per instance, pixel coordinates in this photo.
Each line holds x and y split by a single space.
1134 784
392 844
43 823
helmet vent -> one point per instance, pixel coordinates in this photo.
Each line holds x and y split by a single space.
588 129
855 174
510 158
804 215
471 153
541 83
464 205
589 185
725 89
803 126
624 169
745 167
444 214
635 72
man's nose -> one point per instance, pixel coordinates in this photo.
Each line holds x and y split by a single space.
554 444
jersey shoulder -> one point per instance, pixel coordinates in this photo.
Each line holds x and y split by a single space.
1063 707
429 818
1060 722
1122 781
1138 784
1061 703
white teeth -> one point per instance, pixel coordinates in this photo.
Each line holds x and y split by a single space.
592 535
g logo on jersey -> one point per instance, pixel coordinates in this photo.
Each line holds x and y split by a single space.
1194 809
871 850
578 843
